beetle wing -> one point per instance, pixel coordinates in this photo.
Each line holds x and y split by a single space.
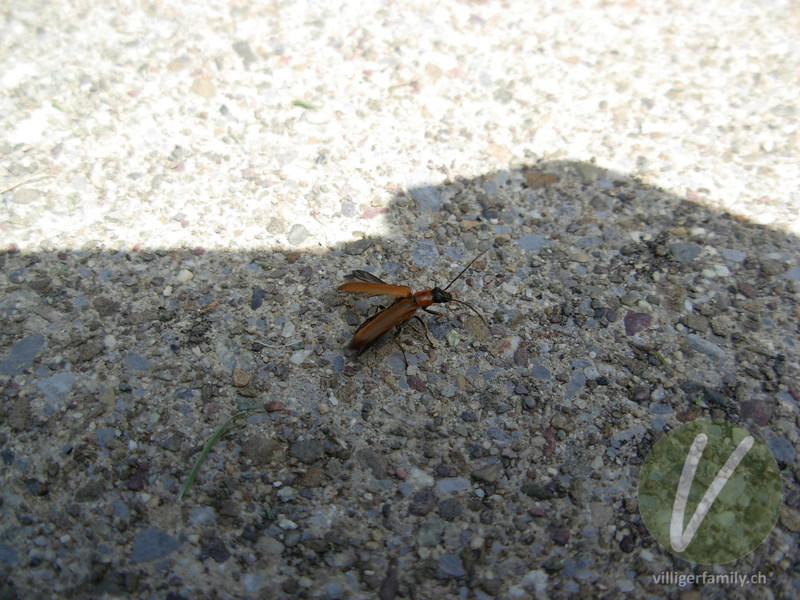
366 283
360 275
373 328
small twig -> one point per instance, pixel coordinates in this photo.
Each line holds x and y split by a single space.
264 345
24 180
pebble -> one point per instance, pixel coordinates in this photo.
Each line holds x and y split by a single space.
541 372
260 449
22 354
758 410
684 252
136 362
203 87
56 387
734 256
423 502
790 518
307 451
576 383
300 356
418 478
8 555
449 485
257 297
286 524
297 235
287 494
782 449
703 346
424 253
151 544
635 322
374 462
450 509
430 533
203 515
532 242
488 474
451 565
241 378
697 322
427 197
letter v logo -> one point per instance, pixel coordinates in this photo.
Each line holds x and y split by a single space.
681 539
722 477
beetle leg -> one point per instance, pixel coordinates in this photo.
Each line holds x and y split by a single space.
424 329
399 345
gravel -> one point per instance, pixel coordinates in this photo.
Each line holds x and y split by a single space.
184 188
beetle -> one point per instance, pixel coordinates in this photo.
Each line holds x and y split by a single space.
405 306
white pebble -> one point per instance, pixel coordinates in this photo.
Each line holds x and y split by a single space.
452 338
299 356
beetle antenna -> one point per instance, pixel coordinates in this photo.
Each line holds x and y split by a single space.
473 309
464 269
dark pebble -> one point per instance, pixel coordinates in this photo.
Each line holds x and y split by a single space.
215 548
307 451
373 461
635 322
415 383
684 251
450 509
747 290
423 502
758 410
521 357
36 487
537 492
90 491
257 299
8 556
559 535
105 307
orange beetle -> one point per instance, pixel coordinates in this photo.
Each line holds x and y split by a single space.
405 306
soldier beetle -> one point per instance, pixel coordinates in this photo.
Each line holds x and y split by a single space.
405 306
